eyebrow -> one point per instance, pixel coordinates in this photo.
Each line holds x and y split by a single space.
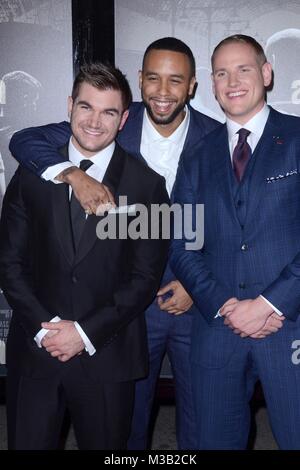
86 103
173 75
239 67
112 110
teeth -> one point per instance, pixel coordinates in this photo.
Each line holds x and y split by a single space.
237 93
92 132
162 103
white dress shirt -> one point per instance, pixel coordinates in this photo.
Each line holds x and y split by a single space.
256 126
162 153
97 170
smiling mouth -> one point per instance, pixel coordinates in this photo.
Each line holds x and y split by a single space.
93 132
236 94
162 106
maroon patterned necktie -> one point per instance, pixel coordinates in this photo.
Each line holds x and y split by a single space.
241 154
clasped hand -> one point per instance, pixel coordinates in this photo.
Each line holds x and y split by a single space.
251 317
62 340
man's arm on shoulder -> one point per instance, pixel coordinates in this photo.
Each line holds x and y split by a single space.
36 148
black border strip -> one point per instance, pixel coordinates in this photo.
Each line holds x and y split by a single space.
93 29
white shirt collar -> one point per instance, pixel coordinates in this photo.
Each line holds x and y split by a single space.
152 135
255 125
100 159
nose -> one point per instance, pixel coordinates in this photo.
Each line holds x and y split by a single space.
95 119
163 87
233 79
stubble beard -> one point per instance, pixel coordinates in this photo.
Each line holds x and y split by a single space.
164 119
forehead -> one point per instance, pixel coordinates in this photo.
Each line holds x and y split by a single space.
93 95
164 61
235 53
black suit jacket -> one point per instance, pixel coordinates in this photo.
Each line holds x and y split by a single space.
105 287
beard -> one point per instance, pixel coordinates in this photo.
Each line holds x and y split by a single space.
164 119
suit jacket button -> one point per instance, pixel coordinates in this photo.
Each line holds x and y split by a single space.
242 285
244 247
74 279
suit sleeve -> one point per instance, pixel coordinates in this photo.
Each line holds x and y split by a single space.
189 265
36 148
15 265
284 292
140 283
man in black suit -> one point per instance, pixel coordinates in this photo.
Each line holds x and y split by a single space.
77 338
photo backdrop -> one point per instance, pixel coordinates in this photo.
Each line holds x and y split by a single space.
36 75
202 25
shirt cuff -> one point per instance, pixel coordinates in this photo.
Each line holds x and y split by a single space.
53 171
271 305
88 345
218 314
43 331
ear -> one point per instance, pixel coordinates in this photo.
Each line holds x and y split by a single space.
140 79
124 119
213 83
70 105
267 73
192 86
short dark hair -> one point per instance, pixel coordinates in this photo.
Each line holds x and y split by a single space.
172 44
242 39
103 77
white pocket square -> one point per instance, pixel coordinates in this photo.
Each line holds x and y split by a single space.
272 179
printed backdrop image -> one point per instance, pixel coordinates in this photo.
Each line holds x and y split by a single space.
35 80
202 25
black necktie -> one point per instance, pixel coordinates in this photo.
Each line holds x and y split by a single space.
241 154
78 215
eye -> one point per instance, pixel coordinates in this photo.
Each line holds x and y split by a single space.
220 74
110 113
84 106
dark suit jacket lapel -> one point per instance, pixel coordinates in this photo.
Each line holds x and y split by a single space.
111 179
61 214
130 137
266 155
194 132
